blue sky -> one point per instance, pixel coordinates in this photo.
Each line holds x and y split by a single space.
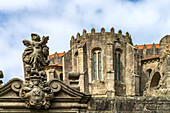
146 20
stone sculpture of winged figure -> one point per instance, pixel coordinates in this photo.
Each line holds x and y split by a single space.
35 56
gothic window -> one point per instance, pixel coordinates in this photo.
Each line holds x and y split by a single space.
95 68
149 72
155 80
97 64
76 62
115 65
117 69
118 66
113 56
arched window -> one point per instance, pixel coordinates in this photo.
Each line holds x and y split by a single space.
95 68
117 69
76 62
149 71
118 66
97 64
113 49
155 80
115 65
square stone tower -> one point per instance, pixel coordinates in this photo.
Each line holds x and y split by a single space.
107 64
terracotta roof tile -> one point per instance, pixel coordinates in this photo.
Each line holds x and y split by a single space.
53 55
152 57
148 46
60 54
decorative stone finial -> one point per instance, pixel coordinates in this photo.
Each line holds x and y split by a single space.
144 46
127 34
84 31
102 30
35 91
78 35
120 32
72 37
92 30
112 30
153 45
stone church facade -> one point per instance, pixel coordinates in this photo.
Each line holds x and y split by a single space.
101 73
109 65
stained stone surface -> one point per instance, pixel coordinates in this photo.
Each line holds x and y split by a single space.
109 95
35 94
130 105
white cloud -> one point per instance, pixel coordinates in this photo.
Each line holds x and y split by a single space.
146 20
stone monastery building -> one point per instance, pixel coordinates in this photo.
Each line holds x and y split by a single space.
101 73
107 64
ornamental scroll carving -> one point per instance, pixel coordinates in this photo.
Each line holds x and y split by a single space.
35 90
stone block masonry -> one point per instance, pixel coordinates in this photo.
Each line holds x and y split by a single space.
130 105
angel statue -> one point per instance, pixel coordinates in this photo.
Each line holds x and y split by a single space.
35 56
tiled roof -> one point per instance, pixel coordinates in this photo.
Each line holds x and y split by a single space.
51 56
152 57
59 54
60 65
148 46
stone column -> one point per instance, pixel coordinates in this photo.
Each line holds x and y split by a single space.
63 63
136 76
81 68
167 71
110 73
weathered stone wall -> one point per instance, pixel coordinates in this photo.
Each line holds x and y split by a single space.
164 42
108 44
148 52
66 61
146 66
158 83
129 105
132 71
55 59
53 72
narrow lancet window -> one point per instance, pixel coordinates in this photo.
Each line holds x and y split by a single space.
115 66
99 65
113 55
95 69
119 66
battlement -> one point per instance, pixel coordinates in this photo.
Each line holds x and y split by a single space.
102 32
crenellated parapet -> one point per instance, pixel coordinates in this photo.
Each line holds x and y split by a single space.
148 50
102 35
